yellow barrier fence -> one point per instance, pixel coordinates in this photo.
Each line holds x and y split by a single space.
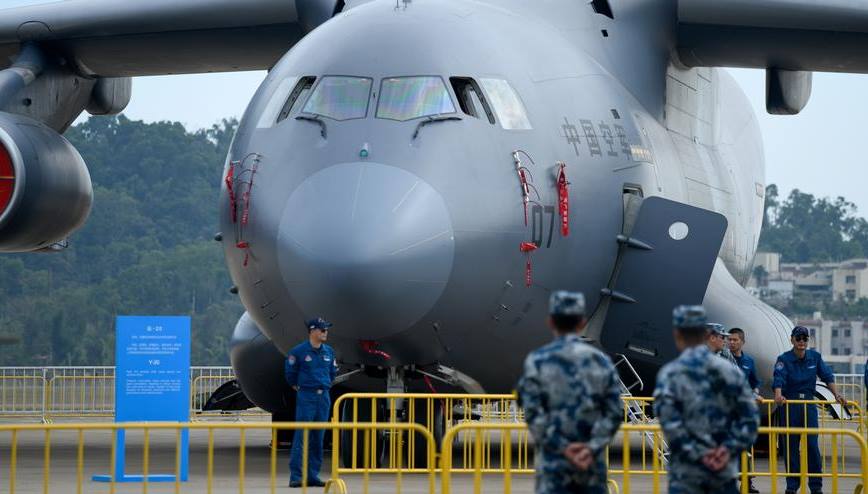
623 473
83 437
843 472
81 395
22 395
49 393
852 387
437 413
201 388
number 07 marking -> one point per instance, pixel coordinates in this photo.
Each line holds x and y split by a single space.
538 224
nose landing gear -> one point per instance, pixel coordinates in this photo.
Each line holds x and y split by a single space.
387 447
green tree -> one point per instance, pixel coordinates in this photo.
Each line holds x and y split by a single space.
804 228
146 249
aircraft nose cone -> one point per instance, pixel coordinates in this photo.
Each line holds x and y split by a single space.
367 246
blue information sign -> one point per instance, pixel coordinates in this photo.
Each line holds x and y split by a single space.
152 382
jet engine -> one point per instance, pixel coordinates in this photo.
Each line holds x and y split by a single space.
45 188
259 368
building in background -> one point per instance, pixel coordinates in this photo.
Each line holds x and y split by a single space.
796 287
844 344
850 280
845 281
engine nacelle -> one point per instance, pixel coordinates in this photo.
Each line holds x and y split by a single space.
259 368
45 188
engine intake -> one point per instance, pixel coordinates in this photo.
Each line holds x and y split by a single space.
45 188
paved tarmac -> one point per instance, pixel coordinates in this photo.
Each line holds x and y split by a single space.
64 477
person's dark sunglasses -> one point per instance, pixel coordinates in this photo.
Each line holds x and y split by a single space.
801 338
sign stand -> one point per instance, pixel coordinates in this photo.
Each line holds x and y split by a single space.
152 384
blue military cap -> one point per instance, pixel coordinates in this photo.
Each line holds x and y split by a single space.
563 303
800 331
318 323
689 316
719 329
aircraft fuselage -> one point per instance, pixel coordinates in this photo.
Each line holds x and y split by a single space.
407 234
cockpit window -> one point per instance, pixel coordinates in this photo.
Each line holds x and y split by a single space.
296 98
340 98
471 99
406 98
275 103
507 105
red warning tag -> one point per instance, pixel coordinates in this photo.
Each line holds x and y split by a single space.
564 199
527 248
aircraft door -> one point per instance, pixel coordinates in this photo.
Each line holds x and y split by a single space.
666 261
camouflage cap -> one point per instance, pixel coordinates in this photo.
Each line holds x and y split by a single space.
689 316
718 329
563 303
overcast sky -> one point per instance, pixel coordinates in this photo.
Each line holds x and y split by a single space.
819 151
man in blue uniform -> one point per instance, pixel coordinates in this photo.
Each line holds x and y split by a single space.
310 370
865 381
571 398
796 373
746 363
706 410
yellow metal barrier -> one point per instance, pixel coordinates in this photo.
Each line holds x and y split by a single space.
80 396
335 484
22 395
437 413
49 393
852 387
626 472
201 388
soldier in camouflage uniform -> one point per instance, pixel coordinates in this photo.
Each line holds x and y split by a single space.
706 409
717 340
570 393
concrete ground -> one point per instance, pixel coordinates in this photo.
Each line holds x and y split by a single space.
64 478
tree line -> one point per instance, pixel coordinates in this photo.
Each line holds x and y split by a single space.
804 228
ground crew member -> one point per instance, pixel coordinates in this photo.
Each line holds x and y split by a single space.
865 381
716 340
310 370
746 363
796 373
706 410
571 398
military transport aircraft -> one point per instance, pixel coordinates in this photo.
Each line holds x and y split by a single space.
424 173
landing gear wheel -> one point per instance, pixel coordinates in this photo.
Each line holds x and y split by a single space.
429 414
354 457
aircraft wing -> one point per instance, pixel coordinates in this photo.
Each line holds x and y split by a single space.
119 38
795 35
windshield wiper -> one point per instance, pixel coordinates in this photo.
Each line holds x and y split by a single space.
434 119
315 119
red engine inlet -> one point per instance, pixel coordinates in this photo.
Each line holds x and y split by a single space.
45 188
7 179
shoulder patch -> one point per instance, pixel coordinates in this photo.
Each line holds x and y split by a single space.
779 365
292 360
